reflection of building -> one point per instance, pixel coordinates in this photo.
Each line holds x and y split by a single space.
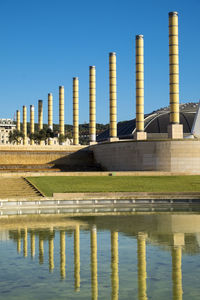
6 126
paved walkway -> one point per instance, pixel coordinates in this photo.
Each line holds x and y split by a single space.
16 188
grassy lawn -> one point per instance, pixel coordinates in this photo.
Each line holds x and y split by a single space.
72 184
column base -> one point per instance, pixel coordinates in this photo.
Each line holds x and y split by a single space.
92 143
113 139
175 131
140 135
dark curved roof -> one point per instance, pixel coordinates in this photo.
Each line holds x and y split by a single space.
156 122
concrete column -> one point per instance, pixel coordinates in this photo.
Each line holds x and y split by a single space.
142 274
32 124
114 265
61 110
113 97
175 130
94 278
18 241
18 121
51 254
41 250
139 60
92 88
62 255
50 115
25 243
75 111
32 244
77 258
40 115
25 125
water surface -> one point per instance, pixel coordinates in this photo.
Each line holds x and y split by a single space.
119 256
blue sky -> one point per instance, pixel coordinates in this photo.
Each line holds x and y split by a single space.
45 43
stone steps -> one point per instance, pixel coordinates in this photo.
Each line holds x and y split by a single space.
17 187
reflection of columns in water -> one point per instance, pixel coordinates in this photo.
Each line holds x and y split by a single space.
41 250
62 254
177 273
51 254
18 241
32 244
77 258
25 243
114 265
94 278
142 274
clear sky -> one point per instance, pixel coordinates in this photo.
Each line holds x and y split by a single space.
45 43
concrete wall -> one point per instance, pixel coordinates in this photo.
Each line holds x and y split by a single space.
166 155
25 155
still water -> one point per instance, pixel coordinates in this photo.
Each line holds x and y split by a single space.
125 256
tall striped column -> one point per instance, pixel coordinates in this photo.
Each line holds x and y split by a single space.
62 254
50 115
94 278
40 115
92 88
32 125
77 258
142 274
51 254
41 250
139 60
61 110
113 97
75 111
25 125
114 265
177 273
18 120
175 130
32 244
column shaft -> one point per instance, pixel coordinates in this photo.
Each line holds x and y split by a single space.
114 265
40 115
174 68
32 244
32 125
177 273
62 255
18 121
61 110
92 89
77 258
142 274
51 254
75 111
25 125
113 95
94 278
50 115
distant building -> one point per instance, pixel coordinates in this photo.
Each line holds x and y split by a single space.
6 126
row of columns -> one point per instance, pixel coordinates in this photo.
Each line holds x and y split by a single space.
175 129
176 253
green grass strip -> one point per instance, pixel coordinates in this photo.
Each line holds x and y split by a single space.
75 184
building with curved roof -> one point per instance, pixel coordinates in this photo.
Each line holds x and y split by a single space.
155 123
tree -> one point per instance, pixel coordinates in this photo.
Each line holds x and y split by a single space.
15 136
